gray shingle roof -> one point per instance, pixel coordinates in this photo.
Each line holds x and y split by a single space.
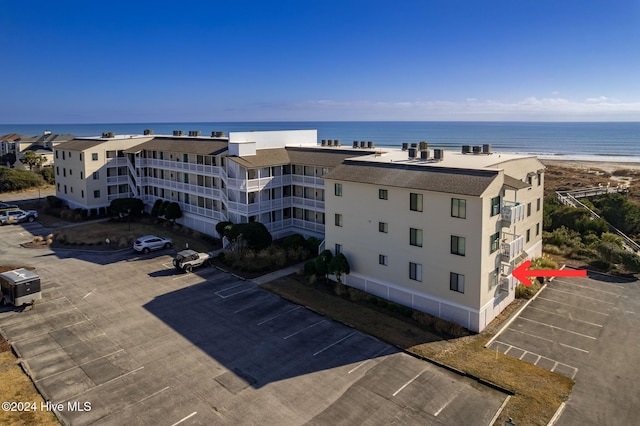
437 179
515 183
79 144
202 146
325 157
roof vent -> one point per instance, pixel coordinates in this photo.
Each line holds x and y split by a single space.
108 135
194 132
178 133
148 132
486 148
466 149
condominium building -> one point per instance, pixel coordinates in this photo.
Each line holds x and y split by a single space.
435 230
42 145
440 233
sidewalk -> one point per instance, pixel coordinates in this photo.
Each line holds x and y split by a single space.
277 274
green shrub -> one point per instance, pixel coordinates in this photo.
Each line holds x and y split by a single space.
19 180
256 235
54 202
293 241
48 175
222 227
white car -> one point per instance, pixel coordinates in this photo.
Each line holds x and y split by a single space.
17 216
151 242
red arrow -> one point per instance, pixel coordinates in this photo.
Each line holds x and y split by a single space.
522 273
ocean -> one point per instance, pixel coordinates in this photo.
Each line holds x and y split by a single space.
613 141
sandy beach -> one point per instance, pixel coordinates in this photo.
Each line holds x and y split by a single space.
607 166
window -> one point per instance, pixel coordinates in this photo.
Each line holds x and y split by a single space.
94 156
338 189
71 189
457 245
383 227
80 156
63 155
538 205
338 248
528 235
338 219
81 175
539 179
70 157
64 172
65 189
58 187
96 193
383 260
57 169
537 229
494 242
528 209
70 172
529 179
456 282
459 208
82 193
415 237
111 154
383 194
415 202
415 271
96 175
495 205
56 154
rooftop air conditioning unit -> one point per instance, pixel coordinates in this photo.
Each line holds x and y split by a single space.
476 149
412 153
424 154
405 146
148 132
371 145
363 144
217 134
108 135
178 133
336 142
356 144
423 146
438 154
194 132
466 149
486 148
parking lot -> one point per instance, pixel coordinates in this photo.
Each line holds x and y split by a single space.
585 329
143 344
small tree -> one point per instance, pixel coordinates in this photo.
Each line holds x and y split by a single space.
173 212
163 208
339 265
223 227
323 262
32 159
156 207
256 235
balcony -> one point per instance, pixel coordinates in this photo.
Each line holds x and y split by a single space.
307 181
511 247
180 166
307 203
512 213
113 180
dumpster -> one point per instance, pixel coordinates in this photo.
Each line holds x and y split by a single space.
19 287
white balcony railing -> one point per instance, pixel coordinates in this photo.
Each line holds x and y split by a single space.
512 213
202 169
511 249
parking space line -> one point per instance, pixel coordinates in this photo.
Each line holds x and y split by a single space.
185 418
529 334
102 384
237 292
408 383
570 317
445 405
539 358
559 328
523 354
366 361
555 365
580 295
573 306
78 365
248 307
589 288
333 344
306 328
279 315
229 288
573 347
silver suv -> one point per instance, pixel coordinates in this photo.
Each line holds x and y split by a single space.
151 242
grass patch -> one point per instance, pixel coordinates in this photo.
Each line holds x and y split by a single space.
538 392
122 235
15 386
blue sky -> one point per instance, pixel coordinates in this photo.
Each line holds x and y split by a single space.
319 60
